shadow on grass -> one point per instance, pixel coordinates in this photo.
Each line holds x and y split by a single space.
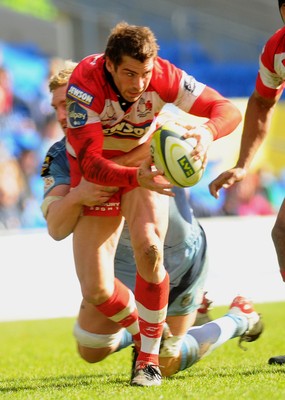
58 382
232 373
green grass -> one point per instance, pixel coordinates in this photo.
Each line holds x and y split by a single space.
39 361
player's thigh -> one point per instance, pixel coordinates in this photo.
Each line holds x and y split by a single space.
94 244
180 324
91 232
146 213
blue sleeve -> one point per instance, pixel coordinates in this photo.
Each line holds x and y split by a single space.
55 168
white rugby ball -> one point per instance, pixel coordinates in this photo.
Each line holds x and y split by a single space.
171 153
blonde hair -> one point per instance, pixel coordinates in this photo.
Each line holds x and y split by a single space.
61 77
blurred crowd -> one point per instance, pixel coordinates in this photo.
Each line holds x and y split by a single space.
260 193
27 130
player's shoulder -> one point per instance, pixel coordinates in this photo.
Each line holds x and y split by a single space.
88 65
87 80
55 155
276 43
164 69
278 35
58 148
166 79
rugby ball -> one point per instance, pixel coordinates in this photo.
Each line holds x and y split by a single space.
171 153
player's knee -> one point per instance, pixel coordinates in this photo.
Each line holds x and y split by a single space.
96 295
153 254
152 257
92 355
94 347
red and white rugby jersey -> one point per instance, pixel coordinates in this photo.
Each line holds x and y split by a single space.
99 129
271 76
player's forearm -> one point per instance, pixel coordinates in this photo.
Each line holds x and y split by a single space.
95 168
224 116
62 216
256 126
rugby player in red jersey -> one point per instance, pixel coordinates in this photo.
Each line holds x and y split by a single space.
269 87
185 259
112 101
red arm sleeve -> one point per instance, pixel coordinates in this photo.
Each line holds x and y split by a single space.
87 143
223 115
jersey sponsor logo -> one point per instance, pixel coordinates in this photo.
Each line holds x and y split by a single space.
190 84
77 115
106 207
78 94
126 129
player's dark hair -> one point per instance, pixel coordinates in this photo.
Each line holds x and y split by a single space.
280 2
134 41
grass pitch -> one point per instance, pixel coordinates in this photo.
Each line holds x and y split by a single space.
39 361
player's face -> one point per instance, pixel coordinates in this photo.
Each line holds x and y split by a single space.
58 102
131 77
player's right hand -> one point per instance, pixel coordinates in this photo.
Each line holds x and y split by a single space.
152 180
225 180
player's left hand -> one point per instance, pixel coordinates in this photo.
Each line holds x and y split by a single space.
151 179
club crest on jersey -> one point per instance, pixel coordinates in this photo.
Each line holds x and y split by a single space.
78 94
77 115
186 300
144 107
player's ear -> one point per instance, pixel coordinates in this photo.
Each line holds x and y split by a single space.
282 12
109 64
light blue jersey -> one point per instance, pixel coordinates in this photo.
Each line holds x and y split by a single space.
184 247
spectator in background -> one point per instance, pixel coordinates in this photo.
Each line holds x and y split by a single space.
50 133
275 187
247 198
12 187
6 94
21 143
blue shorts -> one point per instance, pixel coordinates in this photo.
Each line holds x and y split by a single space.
187 266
